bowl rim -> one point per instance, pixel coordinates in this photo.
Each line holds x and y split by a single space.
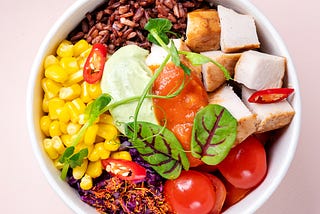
268 189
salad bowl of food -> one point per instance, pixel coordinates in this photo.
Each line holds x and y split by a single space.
163 107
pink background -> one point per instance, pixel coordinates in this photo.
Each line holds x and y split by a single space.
23 25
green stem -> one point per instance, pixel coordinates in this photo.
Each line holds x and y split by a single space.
64 171
144 94
159 40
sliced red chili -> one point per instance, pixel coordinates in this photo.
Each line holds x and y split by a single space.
93 67
124 169
270 95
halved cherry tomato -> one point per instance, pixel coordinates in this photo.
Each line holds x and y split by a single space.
93 67
220 193
191 193
124 169
246 164
271 95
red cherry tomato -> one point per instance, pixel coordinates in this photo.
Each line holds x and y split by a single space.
93 67
220 193
191 193
271 95
124 169
246 165
234 194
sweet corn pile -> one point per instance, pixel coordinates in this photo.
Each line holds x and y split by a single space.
66 96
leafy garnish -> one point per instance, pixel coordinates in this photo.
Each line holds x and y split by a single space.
160 27
160 148
213 134
92 112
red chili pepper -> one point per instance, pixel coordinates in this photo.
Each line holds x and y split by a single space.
93 67
124 169
270 95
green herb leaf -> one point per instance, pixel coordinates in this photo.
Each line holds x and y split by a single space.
77 159
213 134
160 148
95 109
160 26
67 153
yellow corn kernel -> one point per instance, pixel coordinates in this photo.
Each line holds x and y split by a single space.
54 129
95 90
50 60
99 152
57 164
70 92
50 87
80 46
63 114
45 122
65 49
45 103
55 105
58 145
106 118
48 147
63 127
70 64
86 182
83 57
79 105
78 172
107 131
90 135
74 78
112 145
73 128
73 112
66 140
94 169
124 155
57 73
85 96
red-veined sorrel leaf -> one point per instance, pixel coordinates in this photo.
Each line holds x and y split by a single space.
160 148
213 134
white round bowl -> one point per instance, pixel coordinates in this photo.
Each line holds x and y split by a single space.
280 154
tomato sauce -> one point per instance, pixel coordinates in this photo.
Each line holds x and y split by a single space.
178 112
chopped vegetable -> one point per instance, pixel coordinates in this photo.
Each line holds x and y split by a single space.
93 67
270 95
124 169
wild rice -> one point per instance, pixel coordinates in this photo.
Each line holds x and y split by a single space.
119 23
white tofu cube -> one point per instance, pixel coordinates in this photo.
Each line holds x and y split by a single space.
258 70
238 31
226 97
212 75
203 30
270 116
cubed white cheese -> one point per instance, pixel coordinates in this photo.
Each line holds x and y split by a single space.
258 70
